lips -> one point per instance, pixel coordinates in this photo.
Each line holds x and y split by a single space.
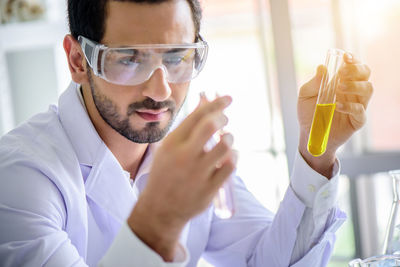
152 115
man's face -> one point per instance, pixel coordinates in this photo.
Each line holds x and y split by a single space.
143 113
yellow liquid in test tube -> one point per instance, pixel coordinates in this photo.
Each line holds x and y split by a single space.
320 128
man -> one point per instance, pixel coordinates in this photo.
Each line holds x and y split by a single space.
88 182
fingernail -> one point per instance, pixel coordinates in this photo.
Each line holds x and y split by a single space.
320 70
227 100
235 157
203 98
228 139
349 57
339 105
226 121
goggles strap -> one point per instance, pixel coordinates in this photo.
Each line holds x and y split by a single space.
91 52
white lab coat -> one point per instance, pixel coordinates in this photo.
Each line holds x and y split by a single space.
64 201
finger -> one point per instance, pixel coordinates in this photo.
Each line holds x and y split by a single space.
349 98
216 156
220 175
355 91
205 129
359 88
203 98
183 131
354 72
349 58
356 112
310 89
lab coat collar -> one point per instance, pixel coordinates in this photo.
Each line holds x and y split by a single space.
107 184
84 137
145 166
78 126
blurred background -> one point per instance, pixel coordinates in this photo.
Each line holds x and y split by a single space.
261 52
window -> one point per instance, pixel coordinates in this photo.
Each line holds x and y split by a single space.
369 29
33 67
237 65
240 63
374 36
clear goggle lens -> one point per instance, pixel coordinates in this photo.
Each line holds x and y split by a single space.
135 65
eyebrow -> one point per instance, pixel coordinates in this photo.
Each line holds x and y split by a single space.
130 52
175 50
133 51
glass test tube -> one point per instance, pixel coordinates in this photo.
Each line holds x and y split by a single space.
325 108
223 201
392 236
224 206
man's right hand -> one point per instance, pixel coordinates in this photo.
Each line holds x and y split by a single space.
184 177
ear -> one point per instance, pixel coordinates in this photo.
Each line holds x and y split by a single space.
76 59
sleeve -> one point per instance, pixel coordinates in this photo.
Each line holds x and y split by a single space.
127 241
33 218
256 237
321 218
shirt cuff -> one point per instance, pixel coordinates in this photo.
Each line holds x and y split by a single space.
128 250
312 188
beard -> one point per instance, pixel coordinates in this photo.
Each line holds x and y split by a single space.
150 133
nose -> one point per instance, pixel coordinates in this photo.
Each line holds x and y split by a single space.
157 87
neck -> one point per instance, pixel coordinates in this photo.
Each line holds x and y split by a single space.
128 153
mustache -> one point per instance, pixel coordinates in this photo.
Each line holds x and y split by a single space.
149 103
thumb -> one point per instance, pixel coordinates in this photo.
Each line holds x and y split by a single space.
203 99
310 89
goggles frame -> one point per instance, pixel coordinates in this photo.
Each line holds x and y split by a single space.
95 55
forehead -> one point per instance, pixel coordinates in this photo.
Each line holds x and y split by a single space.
129 23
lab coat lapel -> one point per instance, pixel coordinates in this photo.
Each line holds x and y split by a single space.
78 126
106 184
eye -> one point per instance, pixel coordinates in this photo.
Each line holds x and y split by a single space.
178 56
173 60
129 61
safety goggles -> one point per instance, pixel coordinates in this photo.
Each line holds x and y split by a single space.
135 64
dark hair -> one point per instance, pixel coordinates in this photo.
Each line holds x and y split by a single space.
87 17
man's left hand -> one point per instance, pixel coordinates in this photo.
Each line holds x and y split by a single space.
352 96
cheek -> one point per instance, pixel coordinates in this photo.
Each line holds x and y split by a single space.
104 88
121 96
179 92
